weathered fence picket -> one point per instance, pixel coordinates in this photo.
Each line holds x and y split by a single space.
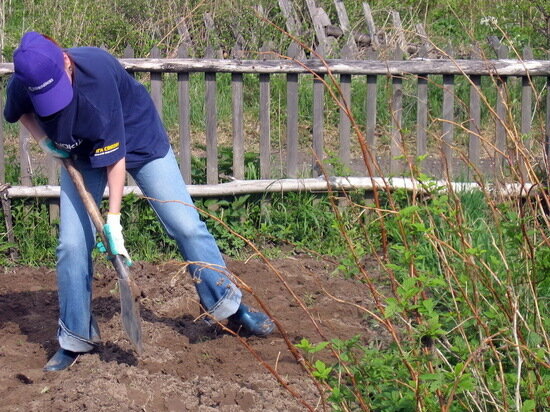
184 102
292 116
526 98
25 160
475 121
447 127
370 24
421 114
318 119
265 119
156 83
501 112
397 145
371 107
238 124
211 124
474 126
344 152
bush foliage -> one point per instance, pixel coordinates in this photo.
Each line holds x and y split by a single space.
143 24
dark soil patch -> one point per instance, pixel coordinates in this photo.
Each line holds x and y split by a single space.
187 364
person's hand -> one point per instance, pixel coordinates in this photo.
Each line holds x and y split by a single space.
50 148
113 233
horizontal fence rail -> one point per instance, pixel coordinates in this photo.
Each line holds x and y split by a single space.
340 74
502 67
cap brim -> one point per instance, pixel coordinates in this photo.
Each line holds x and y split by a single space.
55 99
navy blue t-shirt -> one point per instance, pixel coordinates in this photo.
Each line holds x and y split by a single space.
111 115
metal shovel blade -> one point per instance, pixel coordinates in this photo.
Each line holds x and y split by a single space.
129 307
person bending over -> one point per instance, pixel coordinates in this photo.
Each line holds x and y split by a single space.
80 102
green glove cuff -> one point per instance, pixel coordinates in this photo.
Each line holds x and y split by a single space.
49 146
101 247
112 244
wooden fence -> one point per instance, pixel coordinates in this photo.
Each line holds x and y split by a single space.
451 133
344 72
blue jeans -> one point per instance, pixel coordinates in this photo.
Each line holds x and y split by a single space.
159 179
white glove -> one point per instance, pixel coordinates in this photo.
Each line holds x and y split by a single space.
113 233
50 148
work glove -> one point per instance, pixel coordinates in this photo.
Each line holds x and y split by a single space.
50 148
113 233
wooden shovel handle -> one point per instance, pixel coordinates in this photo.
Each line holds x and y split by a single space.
88 200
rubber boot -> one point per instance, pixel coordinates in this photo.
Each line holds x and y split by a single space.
255 323
63 359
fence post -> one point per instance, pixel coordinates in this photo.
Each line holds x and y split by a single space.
320 19
294 52
425 44
396 108
475 115
318 119
526 113
447 128
421 110
371 107
265 118
25 165
213 41
156 83
346 27
501 112
370 25
53 179
8 219
211 124
421 114
238 117
128 53
291 17
345 122
184 118
399 33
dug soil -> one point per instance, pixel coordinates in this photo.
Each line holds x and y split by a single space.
187 364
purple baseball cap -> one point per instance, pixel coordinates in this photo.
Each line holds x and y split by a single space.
39 64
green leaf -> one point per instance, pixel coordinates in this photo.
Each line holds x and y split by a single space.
528 406
321 371
304 345
392 308
428 305
409 210
534 339
320 346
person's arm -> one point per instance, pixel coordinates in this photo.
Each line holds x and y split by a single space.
31 124
116 175
29 121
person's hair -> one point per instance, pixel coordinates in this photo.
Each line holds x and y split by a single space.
58 45
51 39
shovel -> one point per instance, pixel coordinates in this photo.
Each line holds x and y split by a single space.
129 292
